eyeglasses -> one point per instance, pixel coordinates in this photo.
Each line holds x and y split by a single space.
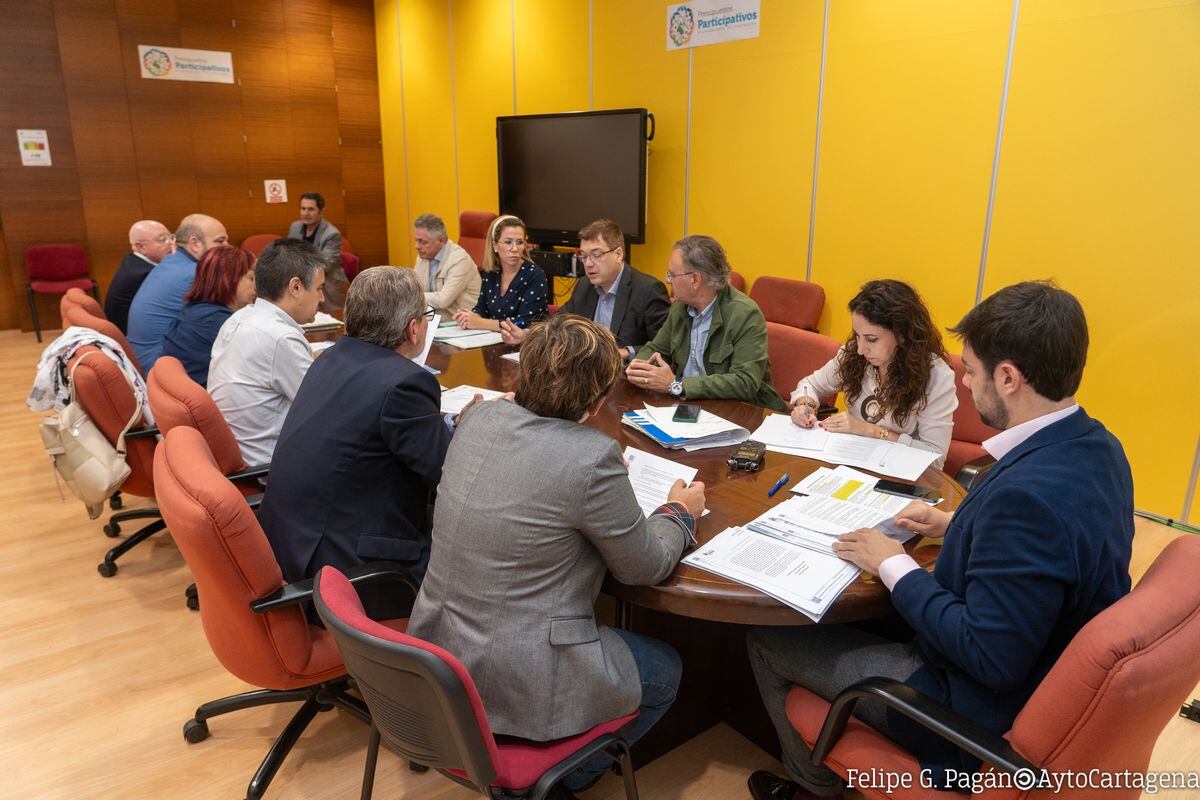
593 256
511 244
429 312
671 278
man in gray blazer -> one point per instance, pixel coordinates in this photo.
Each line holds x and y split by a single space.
313 228
631 304
533 509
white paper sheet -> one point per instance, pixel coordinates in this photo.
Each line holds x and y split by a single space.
429 332
653 476
851 486
322 321
778 430
477 339
454 400
453 332
513 357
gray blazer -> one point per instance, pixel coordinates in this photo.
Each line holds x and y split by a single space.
328 240
531 512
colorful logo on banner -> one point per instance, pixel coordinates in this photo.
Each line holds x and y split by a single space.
157 62
700 22
681 25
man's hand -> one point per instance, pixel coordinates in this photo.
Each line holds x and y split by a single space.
654 374
924 519
866 548
691 496
510 333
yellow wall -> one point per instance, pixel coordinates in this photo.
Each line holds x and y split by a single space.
1096 185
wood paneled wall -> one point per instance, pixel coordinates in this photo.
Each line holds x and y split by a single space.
305 108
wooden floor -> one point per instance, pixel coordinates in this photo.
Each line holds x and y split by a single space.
97 676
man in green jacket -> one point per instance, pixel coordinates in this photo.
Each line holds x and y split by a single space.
713 344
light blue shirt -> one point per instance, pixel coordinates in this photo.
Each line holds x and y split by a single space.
607 302
701 323
157 304
434 263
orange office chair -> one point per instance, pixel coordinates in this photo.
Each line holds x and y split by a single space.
1101 707
79 316
252 619
53 269
346 246
75 297
795 354
789 302
966 460
103 392
258 242
473 232
351 266
736 280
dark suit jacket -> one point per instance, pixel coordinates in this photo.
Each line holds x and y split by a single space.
130 274
642 305
358 458
1036 550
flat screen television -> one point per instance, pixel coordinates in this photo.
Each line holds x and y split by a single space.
558 172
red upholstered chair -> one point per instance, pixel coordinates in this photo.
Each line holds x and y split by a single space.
789 302
79 316
103 392
258 242
350 265
53 269
427 708
473 231
76 297
1102 706
795 354
252 619
736 280
966 460
346 246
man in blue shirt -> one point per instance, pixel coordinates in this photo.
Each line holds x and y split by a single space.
160 297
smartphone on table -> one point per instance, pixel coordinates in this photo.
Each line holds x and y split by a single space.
686 412
909 490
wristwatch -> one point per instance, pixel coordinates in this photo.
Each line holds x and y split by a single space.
676 388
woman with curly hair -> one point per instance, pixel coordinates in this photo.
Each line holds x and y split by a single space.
892 370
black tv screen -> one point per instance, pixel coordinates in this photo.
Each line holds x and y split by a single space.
558 172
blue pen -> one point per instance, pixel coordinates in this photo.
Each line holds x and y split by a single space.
779 484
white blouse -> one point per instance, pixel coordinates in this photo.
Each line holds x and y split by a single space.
929 428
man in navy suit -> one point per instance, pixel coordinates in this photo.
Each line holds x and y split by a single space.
1039 547
361 449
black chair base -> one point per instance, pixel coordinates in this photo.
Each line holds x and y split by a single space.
314 700
108 567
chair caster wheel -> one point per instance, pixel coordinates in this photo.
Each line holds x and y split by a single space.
415 767
195 730
193 602
115 502
112 530
106 568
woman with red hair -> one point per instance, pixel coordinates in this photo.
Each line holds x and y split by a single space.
224 283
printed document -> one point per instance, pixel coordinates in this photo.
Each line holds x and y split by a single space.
653 476
476 339
454 400
779 433
429 333
852 486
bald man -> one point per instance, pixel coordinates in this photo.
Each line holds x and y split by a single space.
149 243
160 296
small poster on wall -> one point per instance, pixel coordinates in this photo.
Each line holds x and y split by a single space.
34 147
275 191
163 63
702 22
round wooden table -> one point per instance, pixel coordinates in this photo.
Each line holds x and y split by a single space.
734 498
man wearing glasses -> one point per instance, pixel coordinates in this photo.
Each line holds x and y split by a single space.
362 446
631 304
713 344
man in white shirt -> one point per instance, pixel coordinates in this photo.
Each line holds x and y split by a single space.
1039 547
260 355
445 272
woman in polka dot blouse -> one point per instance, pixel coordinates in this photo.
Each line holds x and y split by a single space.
514 288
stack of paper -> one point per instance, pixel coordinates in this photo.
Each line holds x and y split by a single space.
653 476
464 338
851 486
707 431
454 400
322 322
513 357
780 434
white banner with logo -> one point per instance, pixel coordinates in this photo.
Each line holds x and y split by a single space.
702 22
179 64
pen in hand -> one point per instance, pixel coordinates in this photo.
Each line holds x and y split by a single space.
779 484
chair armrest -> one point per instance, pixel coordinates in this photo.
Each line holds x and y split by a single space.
960 731
143 433
259 471
302 591
255 500
972 471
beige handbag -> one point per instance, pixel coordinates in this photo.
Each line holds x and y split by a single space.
90 466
